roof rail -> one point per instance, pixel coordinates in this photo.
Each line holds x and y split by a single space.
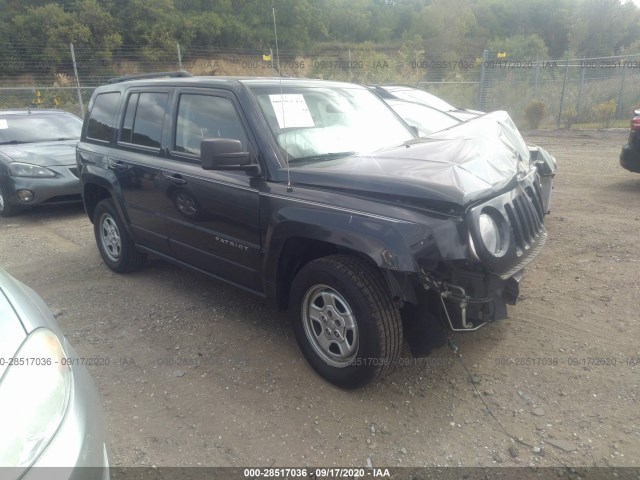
140 76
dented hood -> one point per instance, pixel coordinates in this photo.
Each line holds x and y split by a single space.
45 154
465 163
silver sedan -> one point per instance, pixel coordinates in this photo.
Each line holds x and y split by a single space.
50 411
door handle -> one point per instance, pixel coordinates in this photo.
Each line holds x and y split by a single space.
118 165
174 178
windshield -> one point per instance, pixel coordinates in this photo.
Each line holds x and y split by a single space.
426 119
420 96
316 123
33 128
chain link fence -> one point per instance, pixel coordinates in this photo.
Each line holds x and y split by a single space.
594 90
64 98
564 92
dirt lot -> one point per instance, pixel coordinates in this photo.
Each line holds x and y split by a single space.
202 374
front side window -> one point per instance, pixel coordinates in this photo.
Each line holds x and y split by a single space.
144 119
206 116
102 118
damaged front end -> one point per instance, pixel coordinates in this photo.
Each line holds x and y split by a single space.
470 299
504 234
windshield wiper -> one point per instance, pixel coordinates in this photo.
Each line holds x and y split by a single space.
13 142
322 156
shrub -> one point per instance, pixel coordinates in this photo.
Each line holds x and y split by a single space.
535 112
605 111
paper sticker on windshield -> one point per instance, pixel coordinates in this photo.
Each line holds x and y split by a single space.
3 124
291 110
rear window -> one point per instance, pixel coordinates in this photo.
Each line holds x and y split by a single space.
102 118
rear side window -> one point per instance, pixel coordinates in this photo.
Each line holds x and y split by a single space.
102 118
206 116
144 118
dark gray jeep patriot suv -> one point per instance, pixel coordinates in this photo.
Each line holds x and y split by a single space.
315 196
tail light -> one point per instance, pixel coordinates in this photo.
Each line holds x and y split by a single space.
635 123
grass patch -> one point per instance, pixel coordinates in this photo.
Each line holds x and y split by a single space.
615 123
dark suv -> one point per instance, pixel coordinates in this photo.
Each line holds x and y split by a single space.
630 155
316 196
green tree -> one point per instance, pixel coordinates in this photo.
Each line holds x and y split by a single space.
104 36
349 21
150 23
604 27
298 22
447 25
520 47
40 30
549 19
46 32
605 111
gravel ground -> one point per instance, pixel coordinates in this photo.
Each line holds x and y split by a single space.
202 374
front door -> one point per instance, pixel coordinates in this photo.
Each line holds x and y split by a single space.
214 224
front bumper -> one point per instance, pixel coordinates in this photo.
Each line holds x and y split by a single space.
80 448
467 300
61 189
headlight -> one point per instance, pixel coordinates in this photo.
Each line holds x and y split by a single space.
493 234
17 169
34 394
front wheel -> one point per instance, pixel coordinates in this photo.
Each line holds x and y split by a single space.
345 321
116 247
6 210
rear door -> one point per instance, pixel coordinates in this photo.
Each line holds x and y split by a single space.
214 223
137 163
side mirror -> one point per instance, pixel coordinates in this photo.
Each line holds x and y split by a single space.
226 154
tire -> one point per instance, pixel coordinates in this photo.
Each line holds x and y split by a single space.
114 243
6 210
345 321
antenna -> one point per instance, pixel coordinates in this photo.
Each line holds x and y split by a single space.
284 121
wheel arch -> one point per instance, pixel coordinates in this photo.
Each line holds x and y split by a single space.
288 255
92 194
97 186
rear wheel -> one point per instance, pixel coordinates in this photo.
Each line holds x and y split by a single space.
345 321
116 247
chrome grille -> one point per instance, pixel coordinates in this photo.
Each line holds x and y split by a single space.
522 209
526 217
